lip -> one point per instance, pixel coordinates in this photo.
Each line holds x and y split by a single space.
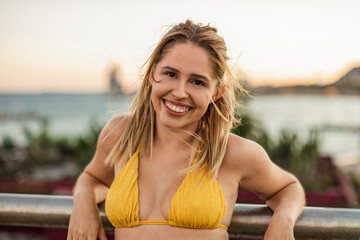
168 110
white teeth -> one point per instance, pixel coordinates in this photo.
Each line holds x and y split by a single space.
176 108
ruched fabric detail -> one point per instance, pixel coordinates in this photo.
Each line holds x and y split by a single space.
121 205
198 202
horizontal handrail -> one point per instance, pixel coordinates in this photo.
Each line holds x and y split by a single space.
248 221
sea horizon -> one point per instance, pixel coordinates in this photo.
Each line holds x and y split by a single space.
69 114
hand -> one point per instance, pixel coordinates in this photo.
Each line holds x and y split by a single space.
85 221
280 227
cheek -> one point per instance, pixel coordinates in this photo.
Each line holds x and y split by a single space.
153 98
202 100
156 94
159 88
155 91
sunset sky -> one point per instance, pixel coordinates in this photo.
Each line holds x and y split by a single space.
69 46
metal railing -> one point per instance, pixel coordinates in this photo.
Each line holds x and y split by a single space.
248 221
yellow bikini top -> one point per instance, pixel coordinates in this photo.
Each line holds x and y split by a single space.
192 206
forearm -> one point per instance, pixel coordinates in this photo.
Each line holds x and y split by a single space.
85 220
288 203
91 187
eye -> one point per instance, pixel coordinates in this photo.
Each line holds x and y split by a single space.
170 74
199 82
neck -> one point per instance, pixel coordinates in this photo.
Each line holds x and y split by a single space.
173 138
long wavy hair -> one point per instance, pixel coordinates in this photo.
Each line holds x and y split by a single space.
210 140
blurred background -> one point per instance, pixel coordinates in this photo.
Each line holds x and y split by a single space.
67 67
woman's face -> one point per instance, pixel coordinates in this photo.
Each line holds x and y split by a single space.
183 84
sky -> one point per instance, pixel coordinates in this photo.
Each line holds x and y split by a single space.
70 46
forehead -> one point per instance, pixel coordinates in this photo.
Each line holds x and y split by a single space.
188 59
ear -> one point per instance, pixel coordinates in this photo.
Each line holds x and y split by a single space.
218 92
151 77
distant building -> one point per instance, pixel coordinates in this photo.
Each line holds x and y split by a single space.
114 87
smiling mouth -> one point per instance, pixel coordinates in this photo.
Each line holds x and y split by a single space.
175 108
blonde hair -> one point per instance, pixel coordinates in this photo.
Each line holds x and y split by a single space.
210 140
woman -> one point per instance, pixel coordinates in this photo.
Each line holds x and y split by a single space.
171 169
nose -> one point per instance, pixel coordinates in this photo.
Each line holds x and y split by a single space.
179 90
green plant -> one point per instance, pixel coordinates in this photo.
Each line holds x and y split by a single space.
80 148
301 157
253 129
39 140
7 142
86 145
297 156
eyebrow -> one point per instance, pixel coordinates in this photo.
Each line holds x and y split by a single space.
192 74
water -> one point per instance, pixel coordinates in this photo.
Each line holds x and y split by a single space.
69 115
303 112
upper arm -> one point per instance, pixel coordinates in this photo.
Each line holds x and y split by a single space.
107 139
257 173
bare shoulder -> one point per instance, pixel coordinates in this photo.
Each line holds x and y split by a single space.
255 171
108 137
111 132
242 154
